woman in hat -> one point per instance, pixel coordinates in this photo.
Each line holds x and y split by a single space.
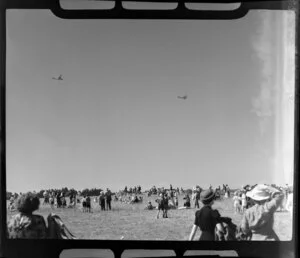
206 219
25 224
259 219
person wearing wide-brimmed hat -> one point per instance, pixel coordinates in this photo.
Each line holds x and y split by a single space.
206 219
259 219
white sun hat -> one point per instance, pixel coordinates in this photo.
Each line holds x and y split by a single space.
259 193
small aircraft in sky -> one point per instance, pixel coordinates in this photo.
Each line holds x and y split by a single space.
59 78
182 97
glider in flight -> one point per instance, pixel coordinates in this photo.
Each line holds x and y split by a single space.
182 97
59 78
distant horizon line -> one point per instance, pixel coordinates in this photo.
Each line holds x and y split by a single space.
145 188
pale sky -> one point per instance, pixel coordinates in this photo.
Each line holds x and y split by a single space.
115 119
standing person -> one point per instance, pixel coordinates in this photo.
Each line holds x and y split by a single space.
84 203
161 205
88 204
25 224
244 201
108 199
197 198
63 200
51 200
102 201
171 196
236 203
206 219
176 198
72 200
46 197
259 219
58 200
226 194
228 191
166 206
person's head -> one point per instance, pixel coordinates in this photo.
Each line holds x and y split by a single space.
28 203
259 194
207 197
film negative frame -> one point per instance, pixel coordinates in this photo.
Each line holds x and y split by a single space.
52 248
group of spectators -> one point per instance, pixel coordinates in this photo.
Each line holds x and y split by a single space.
104 200
168 199
58 199
161 190
256 223
133 190
129 198
241 200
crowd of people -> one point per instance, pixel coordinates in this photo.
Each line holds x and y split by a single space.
104 200
133 190
257 221
241 200
257 205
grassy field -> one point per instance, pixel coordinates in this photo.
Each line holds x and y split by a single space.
132 222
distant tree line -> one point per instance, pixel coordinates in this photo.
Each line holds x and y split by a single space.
65 190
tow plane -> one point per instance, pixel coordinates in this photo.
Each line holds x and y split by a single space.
182 97
59 78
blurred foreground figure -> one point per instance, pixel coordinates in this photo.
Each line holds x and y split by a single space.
25 224
259 219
